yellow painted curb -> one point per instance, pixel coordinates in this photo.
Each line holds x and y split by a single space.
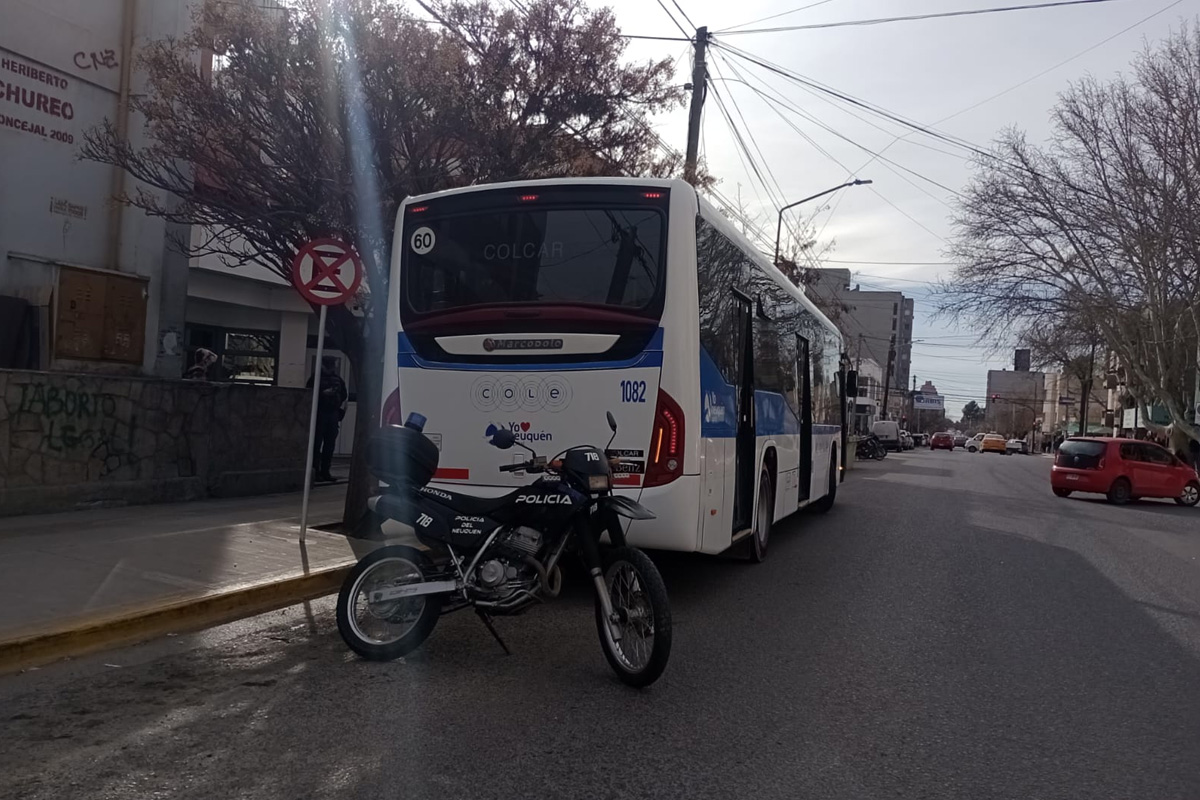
90 634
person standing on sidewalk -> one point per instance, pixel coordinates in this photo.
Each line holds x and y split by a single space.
331 400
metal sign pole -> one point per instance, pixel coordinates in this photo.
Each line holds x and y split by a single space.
312 423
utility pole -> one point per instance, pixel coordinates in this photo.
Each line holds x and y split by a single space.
1087 391
858 363
887 380
912 407
699 91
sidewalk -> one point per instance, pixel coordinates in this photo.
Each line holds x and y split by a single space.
85 580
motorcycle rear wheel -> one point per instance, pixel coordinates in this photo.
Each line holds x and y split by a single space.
639 599
404 624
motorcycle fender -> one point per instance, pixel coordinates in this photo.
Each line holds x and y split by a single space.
625 507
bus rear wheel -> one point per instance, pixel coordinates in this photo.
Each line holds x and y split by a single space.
763 519
826 503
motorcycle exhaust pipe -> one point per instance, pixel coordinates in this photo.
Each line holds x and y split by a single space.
411 590
551 581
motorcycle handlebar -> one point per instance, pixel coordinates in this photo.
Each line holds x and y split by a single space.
533 465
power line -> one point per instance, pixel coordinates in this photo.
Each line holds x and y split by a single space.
776 16
1062 63
917 17
685 38
667 11
854 101
686 18
895 263
823 126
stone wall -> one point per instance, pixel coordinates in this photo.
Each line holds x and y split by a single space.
71 441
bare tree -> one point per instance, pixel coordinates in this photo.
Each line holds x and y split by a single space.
1096 230
320 120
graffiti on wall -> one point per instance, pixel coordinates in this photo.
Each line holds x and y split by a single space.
81 425
105 59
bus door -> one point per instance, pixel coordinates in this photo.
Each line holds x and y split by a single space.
804 387
746 443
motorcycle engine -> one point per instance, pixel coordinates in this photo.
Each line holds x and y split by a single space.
521 542
505 574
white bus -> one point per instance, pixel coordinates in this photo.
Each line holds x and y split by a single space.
540 305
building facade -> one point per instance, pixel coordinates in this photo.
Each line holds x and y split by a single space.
870 322
1015 402
98 286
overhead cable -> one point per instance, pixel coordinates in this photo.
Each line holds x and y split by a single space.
917 17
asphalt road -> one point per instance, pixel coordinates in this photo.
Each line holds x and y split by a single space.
950 630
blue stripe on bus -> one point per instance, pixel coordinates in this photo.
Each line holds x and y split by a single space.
718 407
718 401
652 356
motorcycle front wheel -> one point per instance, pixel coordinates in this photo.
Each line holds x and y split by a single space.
382 631
643 617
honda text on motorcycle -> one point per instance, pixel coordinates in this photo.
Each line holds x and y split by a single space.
501 555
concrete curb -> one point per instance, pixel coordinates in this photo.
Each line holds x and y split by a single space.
90 634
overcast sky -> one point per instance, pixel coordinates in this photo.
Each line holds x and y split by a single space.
928 71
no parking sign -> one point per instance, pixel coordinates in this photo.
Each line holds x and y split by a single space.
327 272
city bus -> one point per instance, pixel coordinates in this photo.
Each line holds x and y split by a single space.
541 305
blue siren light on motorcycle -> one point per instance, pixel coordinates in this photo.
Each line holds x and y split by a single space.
415 421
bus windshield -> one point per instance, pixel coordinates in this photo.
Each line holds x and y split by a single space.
534 255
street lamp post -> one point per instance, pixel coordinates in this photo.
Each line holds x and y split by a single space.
779 226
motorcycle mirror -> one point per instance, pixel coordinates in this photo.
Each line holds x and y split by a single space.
612 421
503 439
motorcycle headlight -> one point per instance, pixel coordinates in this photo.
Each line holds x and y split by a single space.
599 483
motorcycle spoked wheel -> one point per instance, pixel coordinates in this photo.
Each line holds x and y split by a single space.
639 599
387 630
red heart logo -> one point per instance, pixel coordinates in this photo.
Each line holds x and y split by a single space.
524 426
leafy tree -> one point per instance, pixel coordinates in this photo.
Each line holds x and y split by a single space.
319 120
1099 229
973 414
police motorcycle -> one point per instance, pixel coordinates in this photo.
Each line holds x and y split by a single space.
502 555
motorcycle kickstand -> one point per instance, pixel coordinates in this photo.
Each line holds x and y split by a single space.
487 621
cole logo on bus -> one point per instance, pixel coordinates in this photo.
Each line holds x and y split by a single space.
522 432
491 344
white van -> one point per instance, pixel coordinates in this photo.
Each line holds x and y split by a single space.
888 432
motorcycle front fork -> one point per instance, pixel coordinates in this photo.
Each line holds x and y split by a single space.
589 544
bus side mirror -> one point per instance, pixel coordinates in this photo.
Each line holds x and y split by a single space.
851 384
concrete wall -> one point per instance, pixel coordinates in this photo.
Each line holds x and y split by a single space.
73 440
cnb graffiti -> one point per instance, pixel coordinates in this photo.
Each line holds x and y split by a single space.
81 425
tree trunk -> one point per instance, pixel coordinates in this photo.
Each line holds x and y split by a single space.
366 362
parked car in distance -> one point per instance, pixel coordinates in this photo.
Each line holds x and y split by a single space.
1017 446
941 441
960 440
975 443
919 440
888 431
906 440
993 443
1123 470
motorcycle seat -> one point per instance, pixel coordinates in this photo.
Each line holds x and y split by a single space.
468 503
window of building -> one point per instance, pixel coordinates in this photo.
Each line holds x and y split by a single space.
895 309
243 356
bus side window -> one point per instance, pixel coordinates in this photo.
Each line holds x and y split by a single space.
720 265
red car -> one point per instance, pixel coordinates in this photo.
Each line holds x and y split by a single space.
1122 469
942 441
